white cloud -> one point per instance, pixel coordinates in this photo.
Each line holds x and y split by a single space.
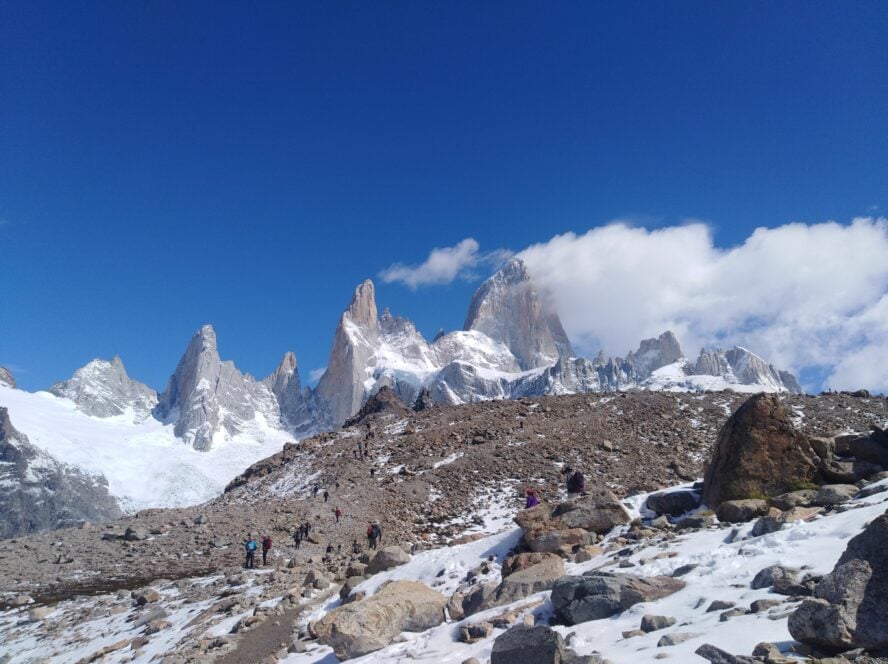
443 266
802 296
315 374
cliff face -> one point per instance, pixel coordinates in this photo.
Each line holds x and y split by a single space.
40 493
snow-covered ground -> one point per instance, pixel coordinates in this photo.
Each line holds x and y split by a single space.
144 463
725 567
724 572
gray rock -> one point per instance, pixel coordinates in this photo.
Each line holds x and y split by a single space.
103 389
359 628
528 645
834 494
768 576
675 638
206 396
719 605
850 603
136 534
740 511
598 511
792 499
528 581
673 503
474 632
387 558
40 493
6 378
508 309
760 605
870 448
598 595
650 623
718 656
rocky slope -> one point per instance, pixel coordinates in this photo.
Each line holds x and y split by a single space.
40 493
440 477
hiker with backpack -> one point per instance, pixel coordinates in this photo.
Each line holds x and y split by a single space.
266 547
297 537
338 513
250 547
576 482
532 500
374 534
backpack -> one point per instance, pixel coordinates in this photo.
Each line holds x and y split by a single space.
251 545
370 531
266 543
577 482
377 531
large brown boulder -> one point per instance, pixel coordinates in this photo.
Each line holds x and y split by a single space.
526 582
758 453
598 510
356 629
544 533
850 603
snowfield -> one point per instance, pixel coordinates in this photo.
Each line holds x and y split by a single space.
144 463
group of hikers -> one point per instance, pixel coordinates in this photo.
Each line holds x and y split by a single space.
251 546
575 483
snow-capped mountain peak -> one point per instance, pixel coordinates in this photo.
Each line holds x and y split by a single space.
103 389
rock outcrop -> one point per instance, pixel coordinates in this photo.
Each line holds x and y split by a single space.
508 308
384 402
758 453
103 389
359 628
6 377
40 493
596 595
206 397
850 603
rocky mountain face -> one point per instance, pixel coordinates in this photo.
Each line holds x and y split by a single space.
6 377
103 389
39 493
206 396
507 308
513 346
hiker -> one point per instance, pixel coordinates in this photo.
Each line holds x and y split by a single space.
250 546
374 534
297 537
338 513
329 548
532 500
326 495
266 547
307 527
315 490
372 472
356 548
576 483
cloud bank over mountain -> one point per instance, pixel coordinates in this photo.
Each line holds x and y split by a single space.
810 297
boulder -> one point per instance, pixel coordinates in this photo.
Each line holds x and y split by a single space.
596 595
848 472
146 596
533 579
776 519
38 613
834 494
350 584
770 576
870 448
136 534
758 453
787 501
386 559
651 623
850 603
598 511
359 628
475 632
718 656
543 533
528 645
824 447
522 561
475 598
673 503
740 511
675 638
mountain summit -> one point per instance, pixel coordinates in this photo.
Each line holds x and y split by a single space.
508 308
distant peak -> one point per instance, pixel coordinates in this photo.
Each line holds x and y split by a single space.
6 377
362 309
204 339
288 363
514 271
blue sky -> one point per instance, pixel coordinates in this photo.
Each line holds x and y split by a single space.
167 164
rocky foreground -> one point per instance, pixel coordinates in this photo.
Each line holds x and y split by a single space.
167 584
